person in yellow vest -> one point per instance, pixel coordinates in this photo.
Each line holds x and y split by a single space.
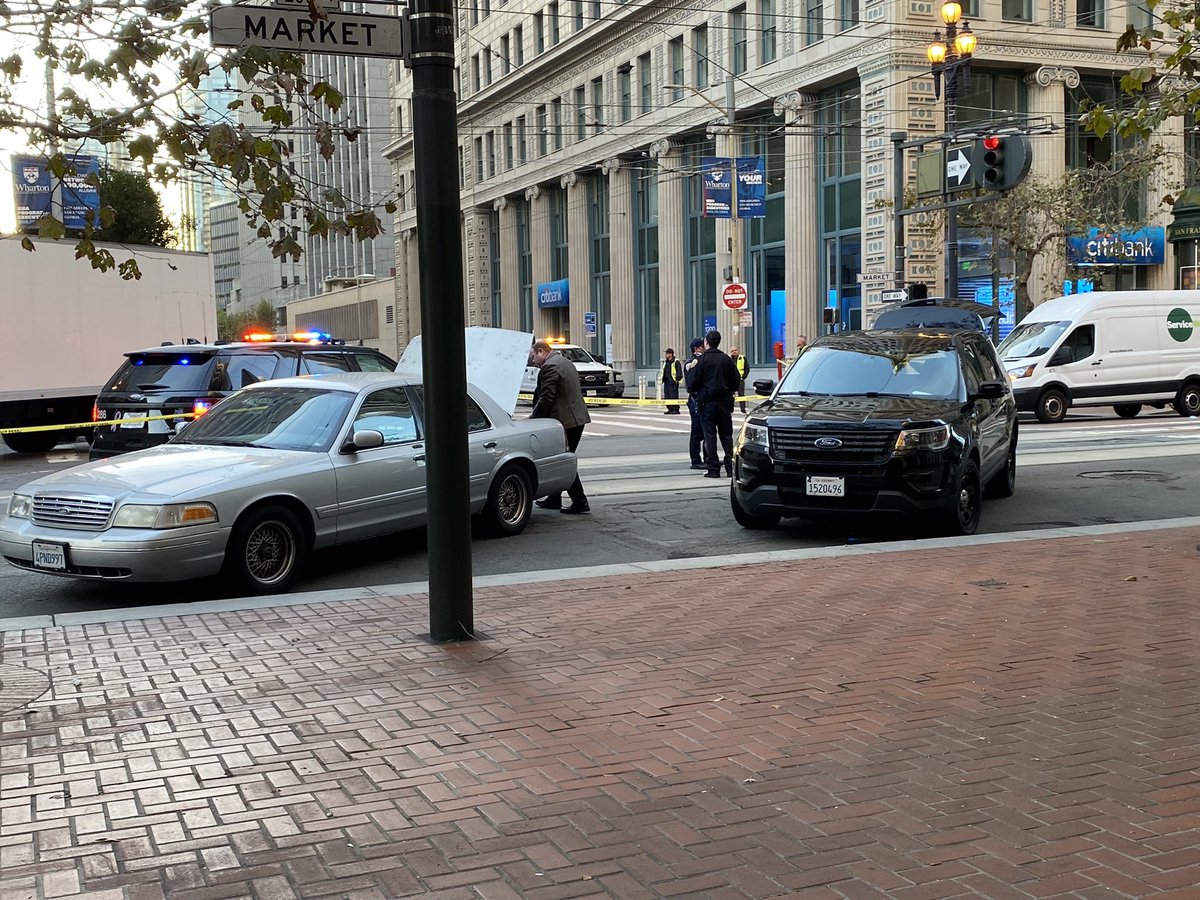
672 374
743 369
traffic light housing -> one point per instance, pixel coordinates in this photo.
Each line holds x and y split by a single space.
1001 161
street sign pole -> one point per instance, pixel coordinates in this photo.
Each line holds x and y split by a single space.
443 320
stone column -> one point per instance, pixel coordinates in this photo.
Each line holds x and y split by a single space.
1169 180
802 227
510 266
1047 102
620 211
412 303
578 257
672 266
539 245
477 270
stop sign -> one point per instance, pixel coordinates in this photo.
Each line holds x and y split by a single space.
734 296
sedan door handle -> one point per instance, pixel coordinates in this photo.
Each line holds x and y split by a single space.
420 457
490 445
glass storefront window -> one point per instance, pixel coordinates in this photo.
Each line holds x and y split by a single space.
599 258
645 265
700 237
840 171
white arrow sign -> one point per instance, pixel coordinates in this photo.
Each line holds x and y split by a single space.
898 295
958 164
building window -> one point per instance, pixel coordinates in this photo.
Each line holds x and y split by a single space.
970 9
700 56
847 14
581 113
1139 16
645 265
505 54
839 170
474 12
737 36
524 264
476 78
598 104
491 154
769 27
814 26
478 159
522 142
556 121
596 13
539 34
645 85
487 67
519 46
577 10
462 169
554 31
542 130
487 8
559 255
625 88
1089 13
599 257
508 147
675 56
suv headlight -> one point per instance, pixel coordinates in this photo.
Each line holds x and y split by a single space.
1021 372
754 433
20 506
617 376
172 515
912 439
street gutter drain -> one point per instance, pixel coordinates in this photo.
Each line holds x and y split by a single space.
1131 475
19 685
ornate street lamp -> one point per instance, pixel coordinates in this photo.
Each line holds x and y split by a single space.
949 55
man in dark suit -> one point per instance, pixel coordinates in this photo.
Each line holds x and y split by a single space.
716 381
558 396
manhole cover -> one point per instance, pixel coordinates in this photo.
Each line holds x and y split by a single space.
1131 475
19 686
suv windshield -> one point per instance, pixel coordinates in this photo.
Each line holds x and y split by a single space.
838 372
1031 339
148 372
575 354
272 418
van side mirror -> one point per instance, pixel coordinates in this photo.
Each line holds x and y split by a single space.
1062 356
764 386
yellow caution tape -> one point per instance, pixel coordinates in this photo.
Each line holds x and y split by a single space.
114 422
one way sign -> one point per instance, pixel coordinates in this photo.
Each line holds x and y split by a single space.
958 168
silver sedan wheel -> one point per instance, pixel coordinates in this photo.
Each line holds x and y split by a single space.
270 552
512 499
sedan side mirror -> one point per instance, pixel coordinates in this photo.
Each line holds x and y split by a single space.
764 386
990 390
367 439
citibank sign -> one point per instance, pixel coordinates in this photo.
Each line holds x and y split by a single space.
554 294
1143 247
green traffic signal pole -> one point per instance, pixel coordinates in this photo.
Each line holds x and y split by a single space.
443 321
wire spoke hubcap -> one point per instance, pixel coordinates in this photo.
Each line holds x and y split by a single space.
270 552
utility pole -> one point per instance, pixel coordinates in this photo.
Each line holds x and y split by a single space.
444 355
735 238
898 138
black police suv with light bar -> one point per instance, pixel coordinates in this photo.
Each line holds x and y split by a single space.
1001 161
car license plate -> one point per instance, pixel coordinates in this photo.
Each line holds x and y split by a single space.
589 393
133 425
825 486
49 556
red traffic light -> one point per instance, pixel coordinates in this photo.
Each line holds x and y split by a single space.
992 143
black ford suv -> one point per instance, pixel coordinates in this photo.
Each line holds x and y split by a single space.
189 379
911 422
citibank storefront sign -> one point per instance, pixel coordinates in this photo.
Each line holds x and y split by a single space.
1144 247
554 294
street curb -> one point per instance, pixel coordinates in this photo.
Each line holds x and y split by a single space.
417 588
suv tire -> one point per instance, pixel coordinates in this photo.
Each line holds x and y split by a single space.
1052 406
33 442
1004 482
963 515
749 520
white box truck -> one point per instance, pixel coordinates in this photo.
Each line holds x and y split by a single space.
1124 349
66 327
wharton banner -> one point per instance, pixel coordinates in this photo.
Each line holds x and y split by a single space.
33 188
1143 247
751 179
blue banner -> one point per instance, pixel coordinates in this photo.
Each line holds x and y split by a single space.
718 186
1143 247
33 187
751 187
554 294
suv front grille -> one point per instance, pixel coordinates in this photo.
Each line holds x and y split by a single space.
87 513
590 379
856 447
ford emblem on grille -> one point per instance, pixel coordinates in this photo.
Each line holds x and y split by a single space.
827 443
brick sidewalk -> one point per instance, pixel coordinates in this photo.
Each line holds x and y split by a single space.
1014 720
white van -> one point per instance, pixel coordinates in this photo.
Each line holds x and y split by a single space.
1123 349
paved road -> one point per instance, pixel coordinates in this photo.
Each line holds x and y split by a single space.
649 506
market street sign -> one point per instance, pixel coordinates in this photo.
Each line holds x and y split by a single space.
876 277
348 34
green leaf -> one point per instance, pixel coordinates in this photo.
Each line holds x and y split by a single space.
27 244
